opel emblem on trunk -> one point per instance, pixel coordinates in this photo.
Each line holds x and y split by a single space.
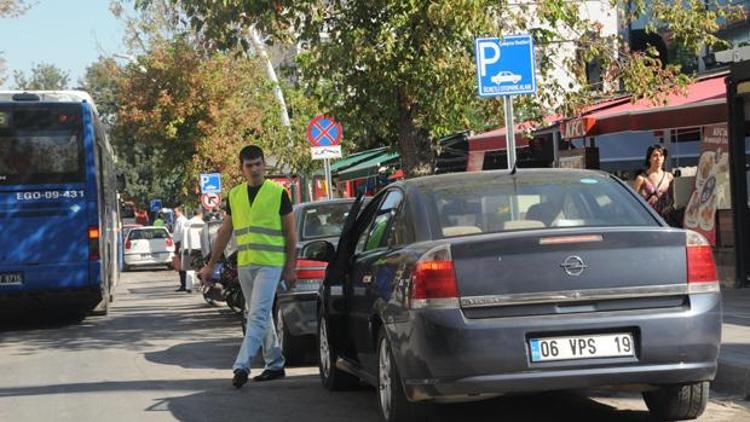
573 266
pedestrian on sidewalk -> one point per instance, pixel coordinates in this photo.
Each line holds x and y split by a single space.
191 257
259 212
655 183
179 230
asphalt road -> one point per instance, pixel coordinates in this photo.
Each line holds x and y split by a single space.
162 355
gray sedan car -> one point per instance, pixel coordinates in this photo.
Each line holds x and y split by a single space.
468 286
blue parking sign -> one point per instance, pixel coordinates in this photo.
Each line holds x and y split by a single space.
505 66
211 183
155 205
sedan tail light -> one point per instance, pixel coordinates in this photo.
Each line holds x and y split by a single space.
169 242
701 267
433 280
128 244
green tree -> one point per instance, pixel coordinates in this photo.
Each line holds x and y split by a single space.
403 71
44 76
102 80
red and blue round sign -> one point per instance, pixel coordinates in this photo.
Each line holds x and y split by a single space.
323 131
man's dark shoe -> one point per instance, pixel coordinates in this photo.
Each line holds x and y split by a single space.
240 378
270 374
181 289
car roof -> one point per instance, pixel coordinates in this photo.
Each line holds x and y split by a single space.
150 228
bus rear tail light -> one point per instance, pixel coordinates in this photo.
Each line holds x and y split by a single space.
93 243
701 268
433 281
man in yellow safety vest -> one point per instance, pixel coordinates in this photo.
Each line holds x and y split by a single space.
260 215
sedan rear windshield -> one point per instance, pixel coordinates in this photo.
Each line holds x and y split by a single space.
486 205
148 234
324 220
41 144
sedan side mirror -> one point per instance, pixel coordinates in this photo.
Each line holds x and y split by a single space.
318 251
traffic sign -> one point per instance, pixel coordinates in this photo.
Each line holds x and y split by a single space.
505 66
155 205
210 183
322 153
210 200
323 131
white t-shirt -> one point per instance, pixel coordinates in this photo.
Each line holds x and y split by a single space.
191 237
179 228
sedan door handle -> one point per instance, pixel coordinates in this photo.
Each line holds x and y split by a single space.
367 279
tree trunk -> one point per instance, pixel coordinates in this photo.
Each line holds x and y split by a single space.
415 146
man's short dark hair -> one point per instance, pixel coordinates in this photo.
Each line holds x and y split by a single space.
251 152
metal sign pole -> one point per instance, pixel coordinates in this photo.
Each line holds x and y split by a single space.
510 136
327 165
510 148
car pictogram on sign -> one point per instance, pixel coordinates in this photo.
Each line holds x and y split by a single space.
505 77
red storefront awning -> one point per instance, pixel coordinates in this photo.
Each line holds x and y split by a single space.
705 103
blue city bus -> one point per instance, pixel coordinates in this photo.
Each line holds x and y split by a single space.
59 215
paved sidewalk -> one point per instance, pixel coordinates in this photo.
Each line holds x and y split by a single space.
733 376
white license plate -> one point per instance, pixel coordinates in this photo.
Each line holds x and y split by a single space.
11 278
145 255
582 347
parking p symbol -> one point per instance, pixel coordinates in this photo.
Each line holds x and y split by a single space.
484 58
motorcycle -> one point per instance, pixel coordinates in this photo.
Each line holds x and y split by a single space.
224 285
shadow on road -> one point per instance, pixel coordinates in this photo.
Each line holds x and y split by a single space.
302 397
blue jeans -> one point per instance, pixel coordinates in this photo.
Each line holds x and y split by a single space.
259 285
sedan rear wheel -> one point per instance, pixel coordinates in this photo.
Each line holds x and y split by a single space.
333 378
678 402
394 406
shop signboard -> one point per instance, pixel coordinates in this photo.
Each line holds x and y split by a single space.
711 182
577 128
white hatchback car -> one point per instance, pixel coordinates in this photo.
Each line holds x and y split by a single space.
148 246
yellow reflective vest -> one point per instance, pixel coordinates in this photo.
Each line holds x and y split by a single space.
257 226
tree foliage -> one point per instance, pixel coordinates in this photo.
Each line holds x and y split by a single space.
43 76
402 72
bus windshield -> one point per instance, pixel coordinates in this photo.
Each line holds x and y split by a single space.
41 144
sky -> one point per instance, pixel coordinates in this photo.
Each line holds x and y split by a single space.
70 34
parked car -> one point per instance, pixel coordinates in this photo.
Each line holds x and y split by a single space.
294 312
148 247
467 286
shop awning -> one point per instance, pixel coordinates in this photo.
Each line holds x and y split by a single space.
369 167
705 103
354 159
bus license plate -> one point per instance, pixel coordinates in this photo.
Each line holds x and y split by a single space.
11 278
582 347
